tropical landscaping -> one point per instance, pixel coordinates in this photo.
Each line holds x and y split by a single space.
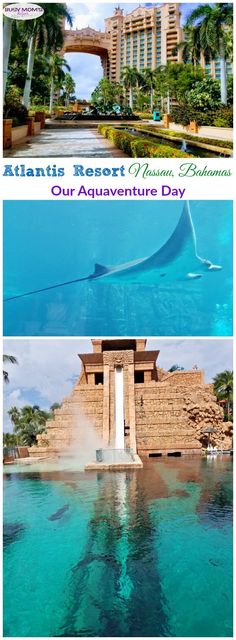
37 79
28 422
35 73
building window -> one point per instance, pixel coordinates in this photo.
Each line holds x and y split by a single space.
98 378
139 377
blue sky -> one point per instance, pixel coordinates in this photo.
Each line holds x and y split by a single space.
86 69
48 368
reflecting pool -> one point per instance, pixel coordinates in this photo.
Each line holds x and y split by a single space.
142 553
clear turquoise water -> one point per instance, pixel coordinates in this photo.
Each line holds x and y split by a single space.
147 553
59 241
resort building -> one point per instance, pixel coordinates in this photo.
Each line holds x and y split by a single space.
130 403
144 38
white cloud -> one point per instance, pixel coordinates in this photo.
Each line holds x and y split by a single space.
45 372
212 355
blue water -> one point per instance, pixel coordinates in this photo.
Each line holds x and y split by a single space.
46 243
142 553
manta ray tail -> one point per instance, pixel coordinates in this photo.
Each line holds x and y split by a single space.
99 270
54 286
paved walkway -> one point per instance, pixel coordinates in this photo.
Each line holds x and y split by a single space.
219 133
61 143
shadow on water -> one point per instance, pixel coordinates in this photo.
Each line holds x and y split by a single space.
216 504
12 532
111 579
126 554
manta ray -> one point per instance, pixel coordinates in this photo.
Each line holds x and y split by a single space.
176 260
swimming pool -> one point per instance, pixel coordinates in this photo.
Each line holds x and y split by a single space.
46 243
142 553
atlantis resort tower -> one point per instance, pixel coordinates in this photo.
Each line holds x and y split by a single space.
144 38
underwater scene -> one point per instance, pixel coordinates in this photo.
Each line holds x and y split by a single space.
135 553
112 268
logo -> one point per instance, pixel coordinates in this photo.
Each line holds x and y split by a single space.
23 11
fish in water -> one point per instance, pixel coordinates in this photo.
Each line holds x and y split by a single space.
176 260
12 532
58 514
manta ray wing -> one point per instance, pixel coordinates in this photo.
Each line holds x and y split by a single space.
176 259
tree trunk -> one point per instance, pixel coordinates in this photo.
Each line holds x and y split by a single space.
168 103
151 99
51 95
223 77
29 72
7 31
131 98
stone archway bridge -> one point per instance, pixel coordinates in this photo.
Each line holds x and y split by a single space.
89 40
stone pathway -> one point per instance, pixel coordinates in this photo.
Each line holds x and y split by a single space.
61 143
219 133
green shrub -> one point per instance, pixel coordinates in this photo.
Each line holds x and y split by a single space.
185 115
39 107
182 115
33 111
143 114
137 147
224 117
204 96
13 107
18 113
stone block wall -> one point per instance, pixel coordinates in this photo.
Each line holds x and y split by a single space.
167 415
172 417
190 378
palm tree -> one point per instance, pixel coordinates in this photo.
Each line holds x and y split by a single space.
69 87
28 423
14 414
190 46
229 45
9 439
212 23
148 78
45 32
10 29
130 78
56 64
7 33
12 360
223 387
165 83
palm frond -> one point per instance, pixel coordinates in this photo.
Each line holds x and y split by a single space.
8 358
5 376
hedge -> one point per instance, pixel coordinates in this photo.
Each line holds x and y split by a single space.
136 147
187 136
17 112
223 117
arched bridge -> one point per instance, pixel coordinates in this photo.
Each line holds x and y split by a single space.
89 41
